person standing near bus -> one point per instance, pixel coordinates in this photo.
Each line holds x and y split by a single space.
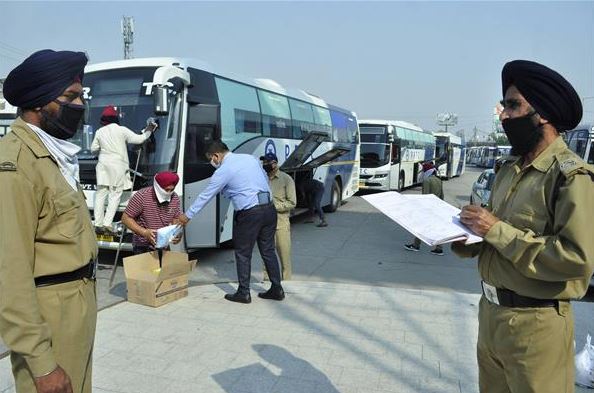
537 254
112 170
432 184
48 249
285 199
313 192
240 177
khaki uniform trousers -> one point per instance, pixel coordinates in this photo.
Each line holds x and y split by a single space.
70 310
525 350
283 245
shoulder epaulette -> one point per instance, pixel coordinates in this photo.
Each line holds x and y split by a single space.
571 164
9 154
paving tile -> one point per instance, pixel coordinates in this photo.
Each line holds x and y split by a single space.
324 338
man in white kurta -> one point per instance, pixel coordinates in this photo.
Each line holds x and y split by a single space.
113 176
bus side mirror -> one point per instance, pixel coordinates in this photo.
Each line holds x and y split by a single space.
161 96
390 138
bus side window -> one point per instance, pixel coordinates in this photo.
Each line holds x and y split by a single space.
395 154
202 129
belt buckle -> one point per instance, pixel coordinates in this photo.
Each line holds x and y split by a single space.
490 293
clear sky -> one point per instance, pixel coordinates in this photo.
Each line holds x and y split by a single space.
395 60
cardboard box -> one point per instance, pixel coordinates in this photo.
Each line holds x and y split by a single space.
153 282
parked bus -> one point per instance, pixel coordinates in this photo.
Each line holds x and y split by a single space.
487 156
195 105
7 115
472 155
391 152
450 155
580 141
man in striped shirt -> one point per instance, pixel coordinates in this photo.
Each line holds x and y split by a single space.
152 208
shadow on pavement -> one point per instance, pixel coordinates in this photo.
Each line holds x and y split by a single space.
295 373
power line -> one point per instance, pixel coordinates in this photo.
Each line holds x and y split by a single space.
9 56
13 49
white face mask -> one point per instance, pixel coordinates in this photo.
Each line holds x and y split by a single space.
162 194
214 164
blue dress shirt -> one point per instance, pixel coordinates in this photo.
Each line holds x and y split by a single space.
240 178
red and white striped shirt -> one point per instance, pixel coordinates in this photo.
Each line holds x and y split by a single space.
146 210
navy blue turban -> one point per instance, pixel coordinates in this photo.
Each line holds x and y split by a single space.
551 95
43 77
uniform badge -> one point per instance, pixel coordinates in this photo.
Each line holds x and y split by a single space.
568 164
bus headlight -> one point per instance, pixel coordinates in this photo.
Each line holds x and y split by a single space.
380 175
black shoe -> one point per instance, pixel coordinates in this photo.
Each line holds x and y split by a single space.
274 293
437 251
411 247
239 297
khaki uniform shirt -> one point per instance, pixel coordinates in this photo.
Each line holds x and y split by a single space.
45 228
542 247
284 197
433 185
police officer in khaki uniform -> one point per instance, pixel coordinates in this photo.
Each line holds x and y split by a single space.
48 307
537 254
284 199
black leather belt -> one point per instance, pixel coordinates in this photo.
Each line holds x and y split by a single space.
508 298
87 271
259 206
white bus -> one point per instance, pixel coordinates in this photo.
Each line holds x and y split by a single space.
580 141
195 105
490 154
7 115
450 155
391 152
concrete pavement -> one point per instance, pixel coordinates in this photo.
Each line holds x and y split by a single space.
324 338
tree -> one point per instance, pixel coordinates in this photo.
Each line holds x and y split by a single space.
499 138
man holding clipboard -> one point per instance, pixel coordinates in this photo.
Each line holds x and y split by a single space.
537 252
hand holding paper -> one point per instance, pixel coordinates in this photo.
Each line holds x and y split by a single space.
425 216
166 235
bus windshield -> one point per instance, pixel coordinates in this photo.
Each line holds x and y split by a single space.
374 155
130 91
373 134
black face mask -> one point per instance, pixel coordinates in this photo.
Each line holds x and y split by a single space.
65 125
268 168
523 134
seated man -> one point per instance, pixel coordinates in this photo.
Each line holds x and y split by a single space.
152 208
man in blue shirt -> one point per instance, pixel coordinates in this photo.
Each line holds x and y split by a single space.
241 178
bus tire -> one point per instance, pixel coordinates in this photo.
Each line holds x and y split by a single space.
401 182
335 198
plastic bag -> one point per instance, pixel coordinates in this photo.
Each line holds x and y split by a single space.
584 365
166 234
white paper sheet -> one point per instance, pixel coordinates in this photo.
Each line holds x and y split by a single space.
426 216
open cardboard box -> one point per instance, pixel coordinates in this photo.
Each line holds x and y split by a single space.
153 281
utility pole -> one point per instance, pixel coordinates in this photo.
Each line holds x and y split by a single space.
128 35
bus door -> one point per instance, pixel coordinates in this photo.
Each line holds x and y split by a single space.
450 157
203 127
395 157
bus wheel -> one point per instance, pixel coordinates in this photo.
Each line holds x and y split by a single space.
401 182
335 197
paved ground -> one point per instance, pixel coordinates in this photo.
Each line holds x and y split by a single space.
324 338
361 311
